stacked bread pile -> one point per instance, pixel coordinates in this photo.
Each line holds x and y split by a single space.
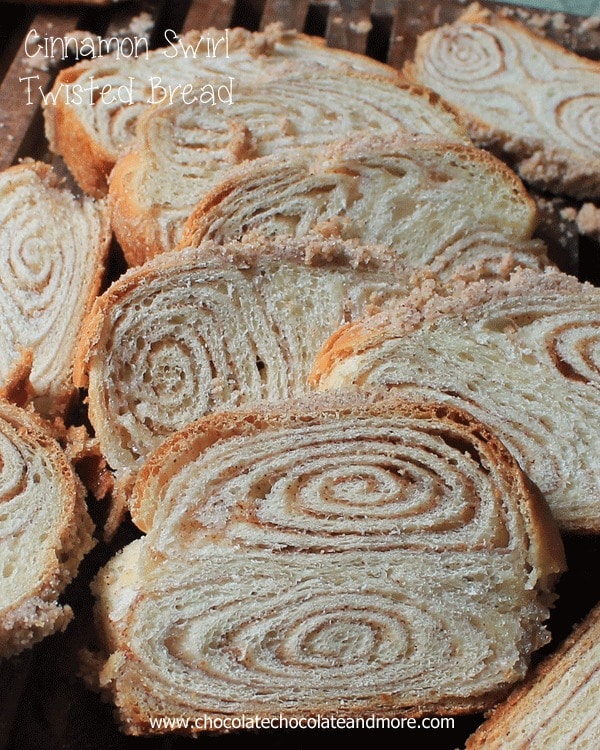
387 550
53 250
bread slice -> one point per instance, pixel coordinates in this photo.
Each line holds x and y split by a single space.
417 195
45 531
181 149
217 328
90 113
558 706
521 355
350 556
53 250
520 94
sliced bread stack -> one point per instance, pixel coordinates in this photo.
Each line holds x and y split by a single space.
343 557
360 553
520 355
91 130
182 149
418 195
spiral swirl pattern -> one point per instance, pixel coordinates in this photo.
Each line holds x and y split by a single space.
44 531
520 92
94 106
52 252
575 349
487 255
206 331
468 54
182 148
521 355
334 558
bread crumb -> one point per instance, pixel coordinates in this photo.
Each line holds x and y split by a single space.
588 220
362 27
559 22
589 24
569 213
540 20
140 26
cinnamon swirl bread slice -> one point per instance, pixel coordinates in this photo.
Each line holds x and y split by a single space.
558 706
91 112
416 195
181 149
52 253
351 556
218 327
521 355
44 528
520 94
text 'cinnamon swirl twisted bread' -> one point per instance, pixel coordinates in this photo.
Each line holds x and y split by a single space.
182 148
518 92
218 327
522 356
417 195
351 556
52 253
558 706
90 113
44 530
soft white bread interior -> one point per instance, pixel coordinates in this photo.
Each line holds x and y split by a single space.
521 355
91 112
216 328
559 704
521 94
345 555
44 527
182 148
52 251
417 195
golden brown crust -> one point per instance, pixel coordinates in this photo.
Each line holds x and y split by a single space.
17 388
89 163
136 235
